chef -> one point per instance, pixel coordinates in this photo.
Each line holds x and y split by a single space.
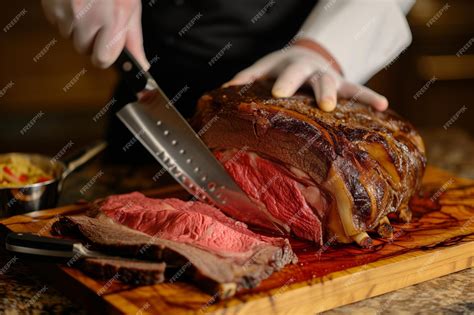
191 47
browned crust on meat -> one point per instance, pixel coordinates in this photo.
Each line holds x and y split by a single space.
126 271
379 156
209 271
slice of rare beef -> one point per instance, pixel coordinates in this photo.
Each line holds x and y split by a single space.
189 222
209 271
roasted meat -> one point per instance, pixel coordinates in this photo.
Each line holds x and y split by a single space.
191 222
126 271
318 175
192 238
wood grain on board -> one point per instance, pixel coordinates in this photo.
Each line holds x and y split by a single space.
438 241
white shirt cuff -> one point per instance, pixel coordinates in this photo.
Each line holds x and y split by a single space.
362 35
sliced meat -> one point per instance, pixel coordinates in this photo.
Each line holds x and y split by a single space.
190 222
361 164
209 271
126 271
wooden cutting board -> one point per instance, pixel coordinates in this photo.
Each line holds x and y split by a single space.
439 241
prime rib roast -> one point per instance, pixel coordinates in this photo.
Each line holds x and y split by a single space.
318 176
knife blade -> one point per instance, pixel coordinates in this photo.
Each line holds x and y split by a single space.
158 125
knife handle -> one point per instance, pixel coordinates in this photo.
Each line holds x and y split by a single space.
136 77
26 243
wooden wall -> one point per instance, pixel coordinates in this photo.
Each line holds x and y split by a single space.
433 54
38 86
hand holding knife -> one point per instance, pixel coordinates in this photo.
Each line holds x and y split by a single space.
158 125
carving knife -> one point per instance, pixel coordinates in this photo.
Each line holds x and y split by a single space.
158 125
32 244
44 246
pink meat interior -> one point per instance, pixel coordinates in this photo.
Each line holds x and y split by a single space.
285 195
188 222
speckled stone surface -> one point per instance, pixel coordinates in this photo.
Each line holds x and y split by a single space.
23 292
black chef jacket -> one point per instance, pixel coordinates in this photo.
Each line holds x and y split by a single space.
201 44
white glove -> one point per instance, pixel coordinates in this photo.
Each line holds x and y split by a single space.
100 27
297 65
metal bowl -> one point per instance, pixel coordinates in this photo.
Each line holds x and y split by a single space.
22 199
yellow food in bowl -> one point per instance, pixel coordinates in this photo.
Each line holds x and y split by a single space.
19 171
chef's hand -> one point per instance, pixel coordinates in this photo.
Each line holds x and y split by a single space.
297 65
100 28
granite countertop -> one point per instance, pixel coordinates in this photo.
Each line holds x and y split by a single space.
23 292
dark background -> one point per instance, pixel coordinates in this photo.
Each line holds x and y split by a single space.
68 115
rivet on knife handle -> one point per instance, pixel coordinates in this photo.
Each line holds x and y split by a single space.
137 77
